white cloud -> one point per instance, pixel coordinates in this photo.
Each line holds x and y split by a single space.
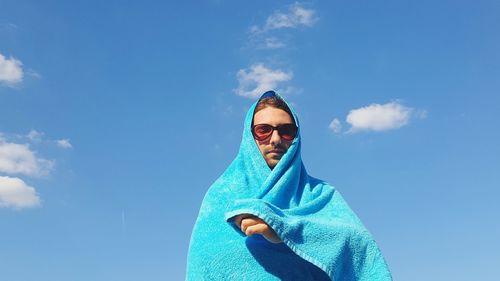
295 16
34 136
258 79
19 159
11 71
254 29
378 117
64 143
273 43
15 193
335 126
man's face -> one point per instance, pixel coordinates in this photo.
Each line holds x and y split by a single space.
274 147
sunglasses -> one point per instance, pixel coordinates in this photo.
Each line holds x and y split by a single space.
263 131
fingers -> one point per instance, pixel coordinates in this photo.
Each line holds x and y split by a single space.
239 218
260 228
249 221
263 229
250 225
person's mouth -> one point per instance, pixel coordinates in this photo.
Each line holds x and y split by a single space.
277 151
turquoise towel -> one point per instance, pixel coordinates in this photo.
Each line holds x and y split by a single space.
322 237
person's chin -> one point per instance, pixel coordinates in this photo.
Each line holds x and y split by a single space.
272 164
273 161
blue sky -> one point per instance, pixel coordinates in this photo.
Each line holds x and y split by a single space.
116 116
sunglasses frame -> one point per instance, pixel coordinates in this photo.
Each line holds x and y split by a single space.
277 128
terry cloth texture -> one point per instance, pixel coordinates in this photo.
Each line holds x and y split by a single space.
322 237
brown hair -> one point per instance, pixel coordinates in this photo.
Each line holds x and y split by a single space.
273 101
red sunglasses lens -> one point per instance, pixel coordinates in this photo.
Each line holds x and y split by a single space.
287 131
262 131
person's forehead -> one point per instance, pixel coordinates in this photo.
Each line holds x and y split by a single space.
272 115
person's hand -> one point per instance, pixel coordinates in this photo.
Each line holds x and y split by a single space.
250 225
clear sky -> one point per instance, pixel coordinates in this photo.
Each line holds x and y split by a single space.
116 117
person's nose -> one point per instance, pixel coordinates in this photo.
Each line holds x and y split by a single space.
275 138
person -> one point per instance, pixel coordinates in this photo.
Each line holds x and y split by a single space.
266 218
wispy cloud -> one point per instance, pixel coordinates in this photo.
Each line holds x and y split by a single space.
421 114
265 36
258 78
20 159
7 26
34 136
37 137
16 194
295 16
379 117
11 71
273 43
64 143
335 126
